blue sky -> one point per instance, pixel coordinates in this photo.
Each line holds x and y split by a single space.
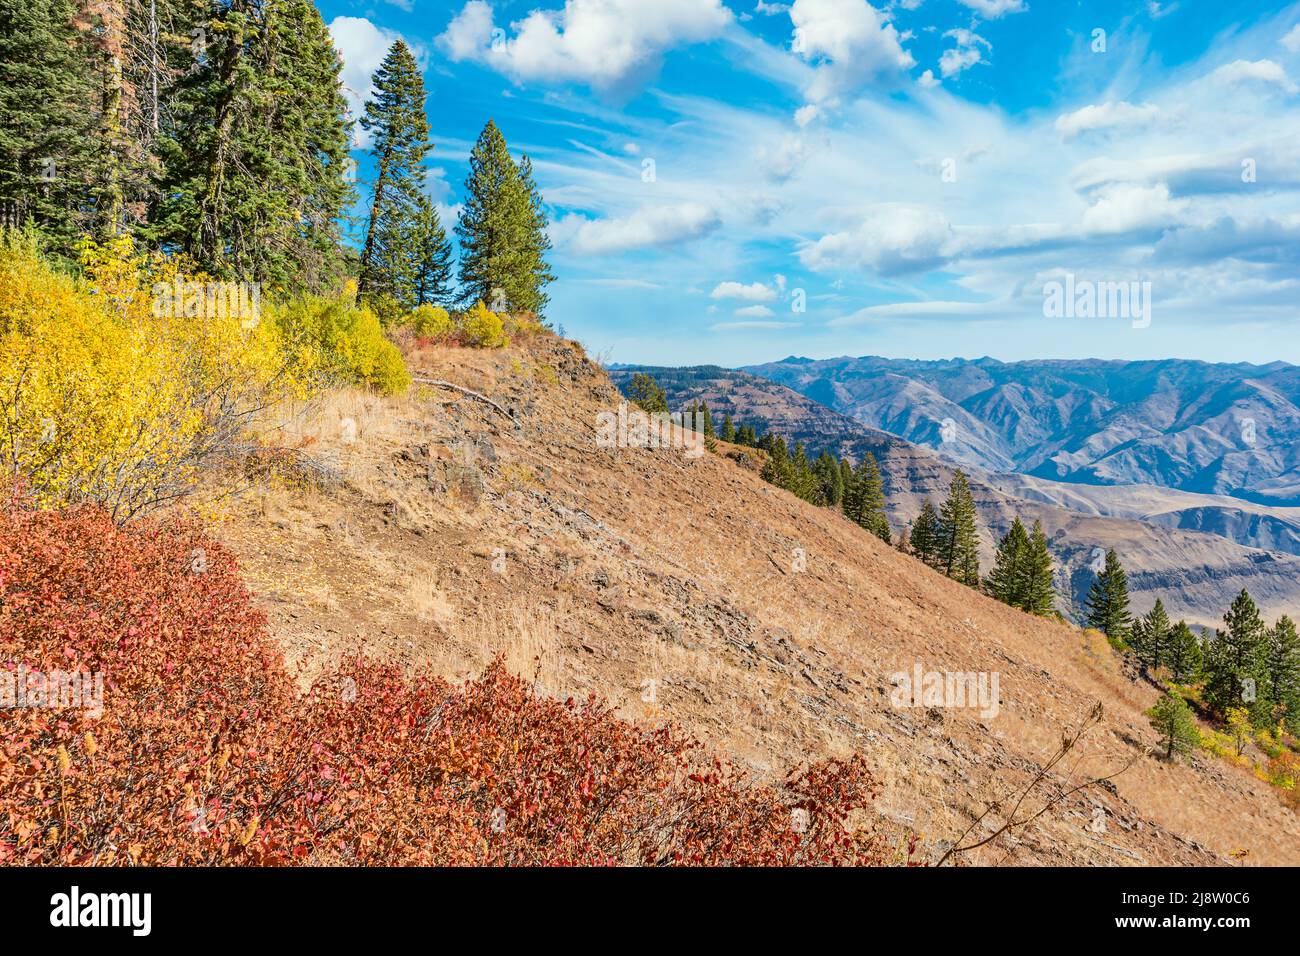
732 181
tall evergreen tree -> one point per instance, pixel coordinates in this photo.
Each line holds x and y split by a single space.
829 481
1006 582
1282 672
431 275
1151 636
1184 657
1107 602
957 548
535 273
502 230
255 161
864 498
396 121
925 533
1234 664
46 125
1172 719
1039 590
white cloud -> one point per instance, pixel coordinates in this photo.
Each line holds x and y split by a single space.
755 311
1292 40
1104 116
1258 71
927 79
781 161
805 115
892 239
992 9
754 292
851 42
645 227
964 55
602 43
1125 208
751 325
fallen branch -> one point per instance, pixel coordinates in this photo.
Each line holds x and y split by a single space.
1068 743
464 391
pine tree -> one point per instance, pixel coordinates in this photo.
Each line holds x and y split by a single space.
1184 657
1151 636
802 482
1282 672
396 121
255 160
1039 590
776 470
1172 719
957 548
502 230
535 274
46 128
708 419
728 429
431 281
925 532
1107 603
1006 582
1234 663
829 479
644 391
864 498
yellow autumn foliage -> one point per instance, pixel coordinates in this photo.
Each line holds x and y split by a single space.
117 385
341 340
483 328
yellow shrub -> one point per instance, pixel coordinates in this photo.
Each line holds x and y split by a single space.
342 340
517 323
482 328
116 387
431 322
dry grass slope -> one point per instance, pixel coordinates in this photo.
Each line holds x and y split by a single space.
432 529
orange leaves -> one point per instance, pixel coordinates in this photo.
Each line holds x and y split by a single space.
205 754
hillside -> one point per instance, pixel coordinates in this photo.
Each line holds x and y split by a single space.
1196 552
436 529
1224 429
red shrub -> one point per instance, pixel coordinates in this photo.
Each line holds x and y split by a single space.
204 754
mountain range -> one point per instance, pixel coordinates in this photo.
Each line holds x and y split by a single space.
1195 551
1220 429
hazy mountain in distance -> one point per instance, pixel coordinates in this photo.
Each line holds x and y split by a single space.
1222 429
1196 552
